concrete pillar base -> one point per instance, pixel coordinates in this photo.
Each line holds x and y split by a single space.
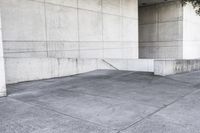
2 69
3 94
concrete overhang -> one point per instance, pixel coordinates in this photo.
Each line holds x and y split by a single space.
151 2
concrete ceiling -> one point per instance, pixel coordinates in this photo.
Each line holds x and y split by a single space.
151 2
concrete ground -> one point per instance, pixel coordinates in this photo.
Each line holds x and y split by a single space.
104 101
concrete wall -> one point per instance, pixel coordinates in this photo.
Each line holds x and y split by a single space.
169 67
161 31
70 29
2 70
42 68
191 33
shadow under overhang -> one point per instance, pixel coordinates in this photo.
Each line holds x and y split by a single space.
151 2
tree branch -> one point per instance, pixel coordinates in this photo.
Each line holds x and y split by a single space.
195 4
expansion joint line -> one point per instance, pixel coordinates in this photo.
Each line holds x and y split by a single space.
158 110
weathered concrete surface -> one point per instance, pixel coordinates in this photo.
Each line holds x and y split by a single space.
168 31
169 67
26 69
191 36
161 31
2 78
2 69
70 28
37 33
104 101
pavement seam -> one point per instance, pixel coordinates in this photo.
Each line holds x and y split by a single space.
190 84
178 80
151 114
63 114
134 124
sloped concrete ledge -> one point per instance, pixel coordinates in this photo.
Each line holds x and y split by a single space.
27 69
169 67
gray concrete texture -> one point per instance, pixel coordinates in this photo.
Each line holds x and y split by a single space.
161 31
45 38
2 68
169 31
26 69
191 36
70 28
104 101
169 67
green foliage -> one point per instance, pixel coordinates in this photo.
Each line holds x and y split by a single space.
195 4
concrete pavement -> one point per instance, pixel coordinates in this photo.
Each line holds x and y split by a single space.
104 101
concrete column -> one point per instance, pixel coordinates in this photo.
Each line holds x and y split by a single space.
191 36
161 31
2 70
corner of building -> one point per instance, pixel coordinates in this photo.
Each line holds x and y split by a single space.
2 69
191 36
